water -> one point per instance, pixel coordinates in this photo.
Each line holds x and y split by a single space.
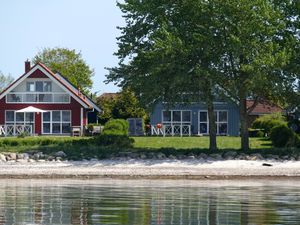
149 202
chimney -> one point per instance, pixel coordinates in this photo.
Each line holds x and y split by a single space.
27 66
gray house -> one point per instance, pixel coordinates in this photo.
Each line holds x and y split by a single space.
193 119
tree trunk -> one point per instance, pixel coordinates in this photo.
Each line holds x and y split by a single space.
244 123
212 122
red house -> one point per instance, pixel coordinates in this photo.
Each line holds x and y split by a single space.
43 103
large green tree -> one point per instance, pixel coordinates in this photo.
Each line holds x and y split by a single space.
122 105
169 54
68 63
170 50
5 80
250 53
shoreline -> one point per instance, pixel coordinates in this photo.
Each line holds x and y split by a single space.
153 169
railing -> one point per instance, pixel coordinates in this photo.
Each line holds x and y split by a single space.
172 130
15 130
37 97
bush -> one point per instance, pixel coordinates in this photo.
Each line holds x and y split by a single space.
121 141
116 127
260 134
267 122
283 136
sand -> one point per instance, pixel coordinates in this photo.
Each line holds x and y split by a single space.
152 169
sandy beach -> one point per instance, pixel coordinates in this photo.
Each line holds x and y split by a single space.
153 169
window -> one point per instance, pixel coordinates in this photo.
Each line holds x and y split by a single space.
30 86
57 122
39 86
18 118
221 122
176 116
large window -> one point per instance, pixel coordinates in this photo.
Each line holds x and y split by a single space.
176 117
39 86
57 122
221 122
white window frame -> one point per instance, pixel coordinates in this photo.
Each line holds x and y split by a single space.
43 85
38 102
181 122
217 121
51 122
20 123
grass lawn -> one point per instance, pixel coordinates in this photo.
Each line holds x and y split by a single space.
197 142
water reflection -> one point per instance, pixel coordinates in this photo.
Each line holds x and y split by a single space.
149 202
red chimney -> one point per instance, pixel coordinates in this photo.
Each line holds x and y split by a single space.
27 66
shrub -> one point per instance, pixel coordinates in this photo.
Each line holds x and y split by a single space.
121 141
116 127
267 122
283 136
260 134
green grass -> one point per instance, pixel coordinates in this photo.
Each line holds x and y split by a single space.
78 148
197 142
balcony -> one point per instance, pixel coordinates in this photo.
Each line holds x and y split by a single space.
37 97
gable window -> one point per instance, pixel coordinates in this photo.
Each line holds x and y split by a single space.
30 86
39 86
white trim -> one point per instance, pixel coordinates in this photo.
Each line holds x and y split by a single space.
37 93
81 120
51 122
49 76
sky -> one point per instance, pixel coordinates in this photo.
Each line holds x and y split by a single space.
89 26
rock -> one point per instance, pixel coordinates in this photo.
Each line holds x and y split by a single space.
272 157
216 156
60 154
181 156
191 157
161 156
31 160
38 155
41 160
230 154
255 156
11 156
143 156
59 159
202 156
25 156
267 164
51 158
2 157
20 156
285 157
133 155
172 157
241 156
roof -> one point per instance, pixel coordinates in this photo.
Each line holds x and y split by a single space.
65 84
109 95
263 108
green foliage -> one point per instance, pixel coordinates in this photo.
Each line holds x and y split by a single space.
68 63
122 105
267 122
5 80
116 140
116 127
260 134
283 136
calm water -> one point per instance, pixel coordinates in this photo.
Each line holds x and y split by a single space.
149 202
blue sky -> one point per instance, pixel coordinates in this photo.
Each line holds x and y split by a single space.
89 26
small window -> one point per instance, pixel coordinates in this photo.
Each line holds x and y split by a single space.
47 86
39 86
10 116
30 86
186 116
166 116
56 116
46 116
176 116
